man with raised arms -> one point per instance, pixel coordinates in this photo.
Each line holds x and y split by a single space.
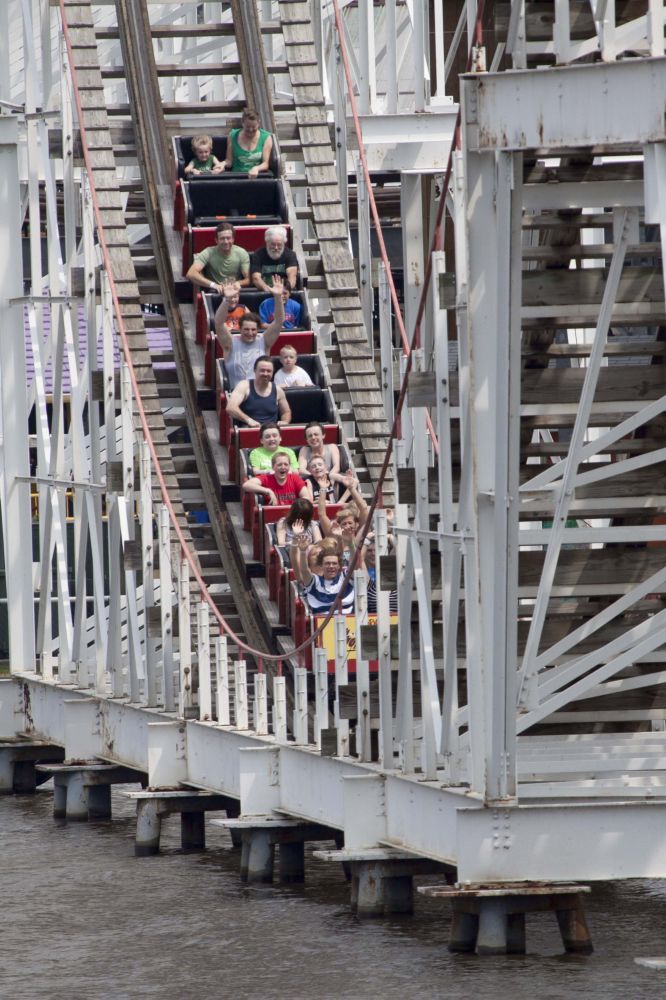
241 350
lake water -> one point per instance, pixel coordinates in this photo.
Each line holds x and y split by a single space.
86 920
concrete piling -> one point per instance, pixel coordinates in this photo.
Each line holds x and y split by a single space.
148 828
370 891
76 802
25 777
398 894
6 772
18 759
382 878
491 919
261 834
82 791
260 857
59 798
291 862
192 804
464 931
99 802
575 933
193 831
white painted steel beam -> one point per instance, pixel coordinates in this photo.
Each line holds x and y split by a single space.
418 143
582 841
492 206
563 842
569 195
573 106
16 514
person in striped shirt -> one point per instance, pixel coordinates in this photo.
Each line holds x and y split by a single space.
321 588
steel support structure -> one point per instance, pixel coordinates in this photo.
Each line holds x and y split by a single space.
501 510
462 776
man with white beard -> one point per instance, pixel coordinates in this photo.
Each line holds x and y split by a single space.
274 258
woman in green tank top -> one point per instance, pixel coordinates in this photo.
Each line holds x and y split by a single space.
249 147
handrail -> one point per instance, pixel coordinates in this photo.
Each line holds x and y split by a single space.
410 345
436 244
122 333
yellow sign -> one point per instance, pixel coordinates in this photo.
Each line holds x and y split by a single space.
327 640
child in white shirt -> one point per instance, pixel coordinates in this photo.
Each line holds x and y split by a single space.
290 374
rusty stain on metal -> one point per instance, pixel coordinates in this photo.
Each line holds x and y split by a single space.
479 59
27 709
540 129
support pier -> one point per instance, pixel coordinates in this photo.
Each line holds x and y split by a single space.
153 805
260 835
382 878
491 919
18 759
82 791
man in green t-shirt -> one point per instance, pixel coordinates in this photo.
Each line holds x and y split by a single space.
217 266
261 458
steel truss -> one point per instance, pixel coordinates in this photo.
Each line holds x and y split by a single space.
489 511
459 698
111 581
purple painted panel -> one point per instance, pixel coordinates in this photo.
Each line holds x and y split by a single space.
159 341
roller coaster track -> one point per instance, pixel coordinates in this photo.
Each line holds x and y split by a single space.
153 155
351 355
186 467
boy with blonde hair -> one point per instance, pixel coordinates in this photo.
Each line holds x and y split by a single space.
290 374
204 161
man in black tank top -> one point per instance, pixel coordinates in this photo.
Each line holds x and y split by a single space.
257 400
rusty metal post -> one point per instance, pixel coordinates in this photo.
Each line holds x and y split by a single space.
574 930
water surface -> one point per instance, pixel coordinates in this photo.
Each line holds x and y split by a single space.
86 920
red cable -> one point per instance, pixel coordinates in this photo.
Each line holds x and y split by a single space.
203 589
436 244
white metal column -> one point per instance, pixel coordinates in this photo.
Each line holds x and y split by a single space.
16 518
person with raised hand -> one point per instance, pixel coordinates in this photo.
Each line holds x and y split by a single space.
299 520
241 350
322 587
